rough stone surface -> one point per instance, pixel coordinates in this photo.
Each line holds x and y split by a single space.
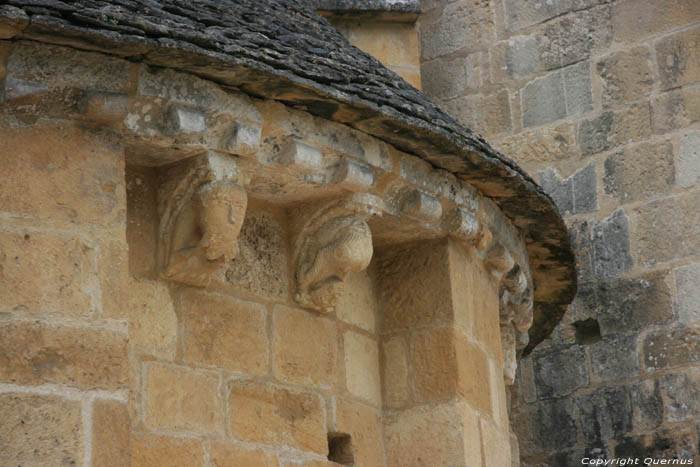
54 184
466 26
626 76
358 305
178 398
678 58
559 413
611 246
675 109
682 391
40 430
262 413
629 305
559 94
484 309
440 370
651 162
669 236
687 293
543 145
560 190
364 425
395 383
495 445
576 194
162 451
152 319
353 6
260 265
688 166
543 100
614 128
454 433
633 20
362 367
613 356
223 455
64 286
668 349
522 56
61 67
403 272
669 444
604 414
575 37
111 432
647 404
224 333
465 74
487 114
577 85
305 348
561 372
585 189
520 14
82 357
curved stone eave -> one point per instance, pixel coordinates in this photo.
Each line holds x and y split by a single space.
411 127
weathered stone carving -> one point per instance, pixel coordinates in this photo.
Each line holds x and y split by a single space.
352 176
201 210
515 317
421 206
334 240
464 225
498 259
510 363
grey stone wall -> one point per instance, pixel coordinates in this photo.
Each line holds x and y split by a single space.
600 101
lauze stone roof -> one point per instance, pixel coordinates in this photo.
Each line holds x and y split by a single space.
282 50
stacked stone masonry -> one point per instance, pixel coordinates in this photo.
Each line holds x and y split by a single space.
191 276
599 100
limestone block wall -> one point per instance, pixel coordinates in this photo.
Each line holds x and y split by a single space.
386 30
599 101
394 42
113 353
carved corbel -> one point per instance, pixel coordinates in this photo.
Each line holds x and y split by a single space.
498 260
464 225
334 240
201 207
515 318
420 206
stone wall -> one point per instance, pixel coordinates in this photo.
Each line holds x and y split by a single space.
600 101
386 30
135 330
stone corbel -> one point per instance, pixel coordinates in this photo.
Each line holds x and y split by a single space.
333 241
464 225
201 205
515 317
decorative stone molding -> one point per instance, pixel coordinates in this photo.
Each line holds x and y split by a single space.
498 260
201 208
352 176
335 239
421 206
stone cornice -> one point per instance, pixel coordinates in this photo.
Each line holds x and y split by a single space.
336 82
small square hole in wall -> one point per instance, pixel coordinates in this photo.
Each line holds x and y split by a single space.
587 331
340 449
